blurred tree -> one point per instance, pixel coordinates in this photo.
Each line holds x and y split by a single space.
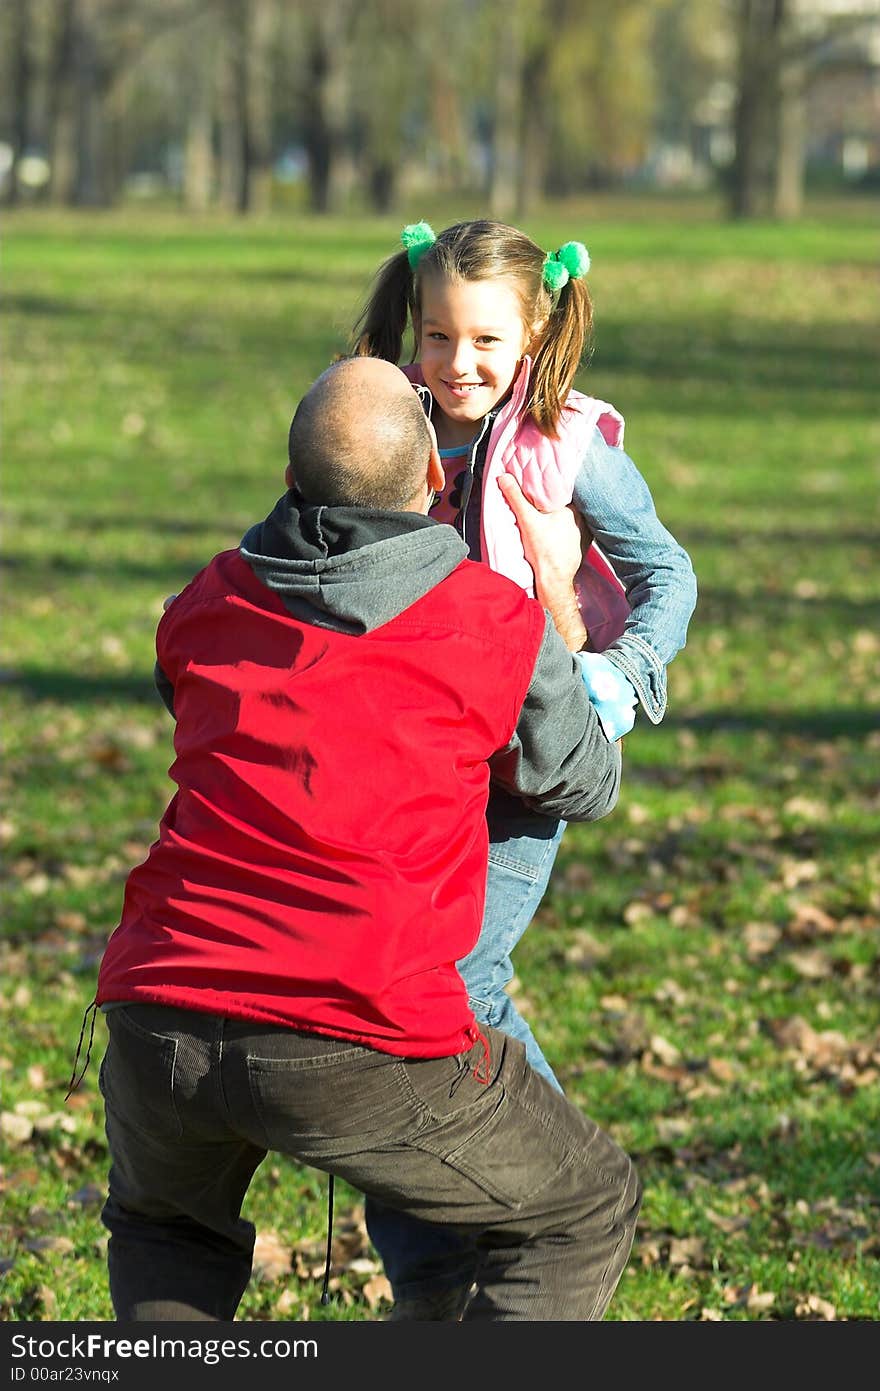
690 55
508 36
21 74
328 27
572 96
389 62
601 81
411 65
197 76
779 43
761 30
247 35
94 47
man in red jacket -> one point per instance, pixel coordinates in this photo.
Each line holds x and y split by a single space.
344 684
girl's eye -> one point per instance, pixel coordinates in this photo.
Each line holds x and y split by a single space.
487 338
437 335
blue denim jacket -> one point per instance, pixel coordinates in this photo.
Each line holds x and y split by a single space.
656 572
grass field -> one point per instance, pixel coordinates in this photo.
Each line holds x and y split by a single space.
705 971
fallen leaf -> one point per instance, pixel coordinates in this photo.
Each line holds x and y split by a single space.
726 1224
672 1128
757 1300
687 1251
760 938
48 1301
31 1108
815 1308
723 1069
585 951
16 1130
89 1196
664 1050
808 922
812 965
631 1036
285 1303
377 1290
272 1256
49 1245
636 912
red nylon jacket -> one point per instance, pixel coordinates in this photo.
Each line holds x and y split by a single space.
322 865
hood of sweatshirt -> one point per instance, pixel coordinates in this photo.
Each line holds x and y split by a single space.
349 568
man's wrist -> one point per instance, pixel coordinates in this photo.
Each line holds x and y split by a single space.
562 606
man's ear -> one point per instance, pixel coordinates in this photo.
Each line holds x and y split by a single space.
288 476
436 476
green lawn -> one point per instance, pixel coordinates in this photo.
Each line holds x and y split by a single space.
704 972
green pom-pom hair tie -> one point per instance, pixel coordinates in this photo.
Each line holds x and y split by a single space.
417 238
570 262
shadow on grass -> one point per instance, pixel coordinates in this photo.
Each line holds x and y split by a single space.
42 305
727 606
51 684
714 362
69 688
780 536
37 573
174 572
840 721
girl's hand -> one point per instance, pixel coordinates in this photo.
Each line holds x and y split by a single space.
554 545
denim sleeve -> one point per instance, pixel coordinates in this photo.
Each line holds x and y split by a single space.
653 568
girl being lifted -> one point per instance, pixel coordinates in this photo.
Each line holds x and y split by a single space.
538 485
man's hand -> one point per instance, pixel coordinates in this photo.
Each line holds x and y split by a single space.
554 545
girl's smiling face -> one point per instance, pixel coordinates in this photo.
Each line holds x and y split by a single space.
471 340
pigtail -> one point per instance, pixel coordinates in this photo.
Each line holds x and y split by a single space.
380 329
565 341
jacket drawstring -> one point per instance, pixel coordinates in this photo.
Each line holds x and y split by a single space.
483 1069
325 1297
74 1080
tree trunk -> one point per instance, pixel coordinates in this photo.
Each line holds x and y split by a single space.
447 127
504 174
756 121
234 130
198 161
326 103
22 74
61 114
382 185
261 40
788 194
533 165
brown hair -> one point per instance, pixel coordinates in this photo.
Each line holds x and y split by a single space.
484 250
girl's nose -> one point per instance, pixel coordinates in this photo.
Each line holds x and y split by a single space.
461 357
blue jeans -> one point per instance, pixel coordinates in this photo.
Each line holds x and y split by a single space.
423 1261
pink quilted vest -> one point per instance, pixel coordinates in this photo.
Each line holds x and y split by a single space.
546 470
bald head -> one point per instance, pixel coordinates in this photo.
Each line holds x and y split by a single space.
359 438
